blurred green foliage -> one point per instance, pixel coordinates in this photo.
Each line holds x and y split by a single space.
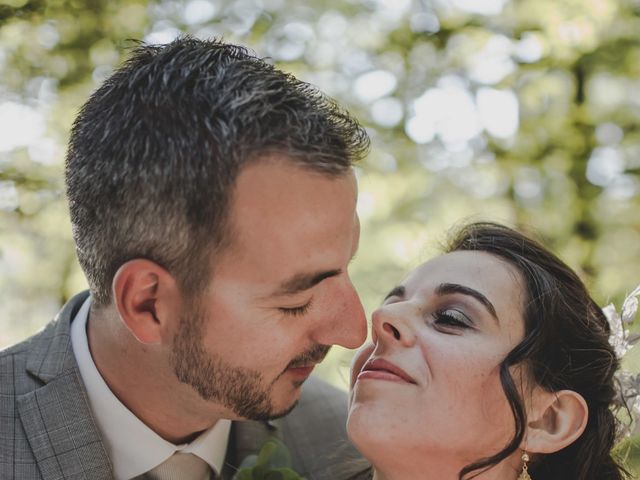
525 112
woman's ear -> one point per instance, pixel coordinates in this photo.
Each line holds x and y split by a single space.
557 419
146 298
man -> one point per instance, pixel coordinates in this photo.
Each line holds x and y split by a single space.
213 208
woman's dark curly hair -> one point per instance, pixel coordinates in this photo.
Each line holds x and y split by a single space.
565 346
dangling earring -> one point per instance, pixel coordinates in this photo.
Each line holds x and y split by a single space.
524 475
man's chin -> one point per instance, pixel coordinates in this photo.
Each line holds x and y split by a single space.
286 404
272 414
284 412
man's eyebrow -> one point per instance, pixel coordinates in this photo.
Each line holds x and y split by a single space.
304 281
398 291
451 288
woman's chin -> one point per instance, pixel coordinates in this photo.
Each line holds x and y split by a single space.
368 429
358 425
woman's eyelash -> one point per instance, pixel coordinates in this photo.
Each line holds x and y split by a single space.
452 318
296 311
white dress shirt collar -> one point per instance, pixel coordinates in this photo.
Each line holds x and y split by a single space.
132 446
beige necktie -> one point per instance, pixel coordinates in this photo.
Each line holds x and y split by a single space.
180 466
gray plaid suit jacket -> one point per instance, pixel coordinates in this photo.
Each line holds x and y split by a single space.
47 430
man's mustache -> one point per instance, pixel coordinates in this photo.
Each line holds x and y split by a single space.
314 355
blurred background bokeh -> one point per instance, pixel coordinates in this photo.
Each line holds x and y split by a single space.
524 111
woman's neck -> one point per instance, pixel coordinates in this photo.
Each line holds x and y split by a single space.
410 471
441 471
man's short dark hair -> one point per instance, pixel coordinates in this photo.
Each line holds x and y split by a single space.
155 152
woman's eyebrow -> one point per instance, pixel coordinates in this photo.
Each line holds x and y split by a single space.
398 291
450 288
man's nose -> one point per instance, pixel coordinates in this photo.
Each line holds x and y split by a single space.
344 322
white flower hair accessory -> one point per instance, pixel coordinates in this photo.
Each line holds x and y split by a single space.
622 340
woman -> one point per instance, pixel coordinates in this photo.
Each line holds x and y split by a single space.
490 362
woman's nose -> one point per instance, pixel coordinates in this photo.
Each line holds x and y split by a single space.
392 324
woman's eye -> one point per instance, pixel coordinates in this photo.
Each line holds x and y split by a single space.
296 311
452 318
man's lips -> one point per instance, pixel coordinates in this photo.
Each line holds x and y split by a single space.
381 369
301 371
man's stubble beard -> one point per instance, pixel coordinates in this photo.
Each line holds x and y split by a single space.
239 389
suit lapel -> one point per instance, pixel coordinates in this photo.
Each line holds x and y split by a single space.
56 417
60 429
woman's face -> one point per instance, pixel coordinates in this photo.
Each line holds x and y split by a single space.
430 382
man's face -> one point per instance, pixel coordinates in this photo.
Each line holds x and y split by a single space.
280 294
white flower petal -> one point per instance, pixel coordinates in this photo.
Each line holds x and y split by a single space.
629 309
610 312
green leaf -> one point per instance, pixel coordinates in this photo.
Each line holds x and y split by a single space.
266 452
280 456
289 474
274 475
244 474
260 471
249 461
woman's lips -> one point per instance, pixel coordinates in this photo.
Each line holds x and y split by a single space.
381 369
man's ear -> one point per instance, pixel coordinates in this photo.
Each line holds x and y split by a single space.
557 419
147 299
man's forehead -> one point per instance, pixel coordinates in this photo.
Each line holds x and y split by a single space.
266 191
275 168
292 214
